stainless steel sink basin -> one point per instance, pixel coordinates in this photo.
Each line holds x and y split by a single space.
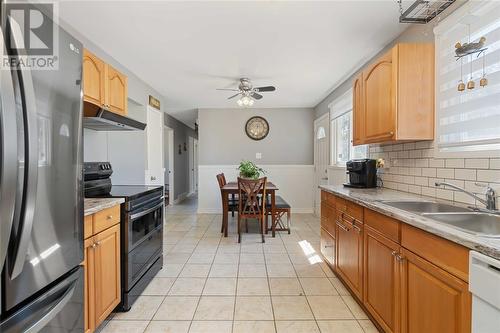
481 224
425 206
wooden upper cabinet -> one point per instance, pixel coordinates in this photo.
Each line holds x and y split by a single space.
103 85
382 280
358 111
394 96
107 272
93 79
378 99
116 84
433 300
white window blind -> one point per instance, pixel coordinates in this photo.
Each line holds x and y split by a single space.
468 120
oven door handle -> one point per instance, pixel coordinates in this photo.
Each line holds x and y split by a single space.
141 214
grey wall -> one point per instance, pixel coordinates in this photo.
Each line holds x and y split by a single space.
127 151
223 139
414 34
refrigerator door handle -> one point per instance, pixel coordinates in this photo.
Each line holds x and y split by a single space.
54 310
31 159
8 157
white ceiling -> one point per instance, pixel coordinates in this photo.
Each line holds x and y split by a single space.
186 50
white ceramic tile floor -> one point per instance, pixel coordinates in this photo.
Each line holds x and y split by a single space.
213 284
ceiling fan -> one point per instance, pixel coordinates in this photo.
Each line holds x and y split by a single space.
248 94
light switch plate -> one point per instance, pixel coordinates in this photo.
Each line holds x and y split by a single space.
258 156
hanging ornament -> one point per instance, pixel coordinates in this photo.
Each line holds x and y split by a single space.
461 84
484 81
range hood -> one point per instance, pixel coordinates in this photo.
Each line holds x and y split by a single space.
99 119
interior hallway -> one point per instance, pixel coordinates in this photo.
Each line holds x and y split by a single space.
213 284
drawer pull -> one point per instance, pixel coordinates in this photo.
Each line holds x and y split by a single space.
109 217
328 246
358 229
343 227
400 258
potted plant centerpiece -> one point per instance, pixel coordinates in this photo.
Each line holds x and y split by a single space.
249 170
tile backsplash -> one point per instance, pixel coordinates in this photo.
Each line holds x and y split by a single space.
412 167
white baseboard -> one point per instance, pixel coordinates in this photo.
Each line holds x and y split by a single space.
181 197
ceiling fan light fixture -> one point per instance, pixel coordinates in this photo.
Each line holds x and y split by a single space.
245 101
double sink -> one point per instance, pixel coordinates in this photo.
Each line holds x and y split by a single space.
468 220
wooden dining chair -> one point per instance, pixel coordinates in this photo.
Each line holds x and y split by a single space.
251 202
232 201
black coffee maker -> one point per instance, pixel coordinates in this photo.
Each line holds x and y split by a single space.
362 173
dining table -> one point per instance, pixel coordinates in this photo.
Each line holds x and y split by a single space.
231 188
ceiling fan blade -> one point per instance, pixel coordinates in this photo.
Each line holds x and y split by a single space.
228 89
256 95
267 88
233 96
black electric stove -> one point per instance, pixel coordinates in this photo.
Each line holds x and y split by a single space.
141 228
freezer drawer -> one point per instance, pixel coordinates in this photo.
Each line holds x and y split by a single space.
58 310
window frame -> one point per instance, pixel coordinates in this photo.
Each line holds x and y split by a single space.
338 108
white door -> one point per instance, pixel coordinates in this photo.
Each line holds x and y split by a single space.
195 165
321 157
169 162
154 141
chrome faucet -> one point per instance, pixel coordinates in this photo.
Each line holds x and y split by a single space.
490 201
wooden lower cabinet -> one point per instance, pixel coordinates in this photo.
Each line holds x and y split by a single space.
107 272
408 280
102 276
349 261
382 271
327 243
433 300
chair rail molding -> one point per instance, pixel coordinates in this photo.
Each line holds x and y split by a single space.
295 183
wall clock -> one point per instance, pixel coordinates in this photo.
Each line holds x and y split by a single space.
257 128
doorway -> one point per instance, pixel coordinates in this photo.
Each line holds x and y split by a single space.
168 144
193 165
321 153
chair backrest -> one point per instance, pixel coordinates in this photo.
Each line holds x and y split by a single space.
252 192
221 179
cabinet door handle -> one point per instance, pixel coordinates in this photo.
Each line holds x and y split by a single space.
394 253
328 246
400 258
94 245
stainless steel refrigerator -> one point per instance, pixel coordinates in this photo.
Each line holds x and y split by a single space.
41 194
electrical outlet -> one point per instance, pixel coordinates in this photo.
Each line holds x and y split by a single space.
258 156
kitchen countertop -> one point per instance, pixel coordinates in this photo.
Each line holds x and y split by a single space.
94 205
371 198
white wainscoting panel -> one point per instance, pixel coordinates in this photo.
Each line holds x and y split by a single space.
295 183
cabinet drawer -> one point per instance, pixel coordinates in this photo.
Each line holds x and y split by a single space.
449 256
328 218
350 208
328 198
88 227
106 218
385 225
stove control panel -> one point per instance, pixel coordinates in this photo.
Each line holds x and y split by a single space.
97 170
